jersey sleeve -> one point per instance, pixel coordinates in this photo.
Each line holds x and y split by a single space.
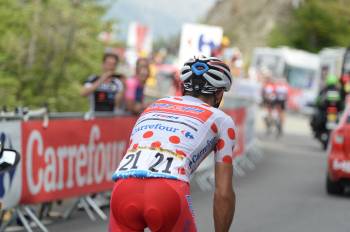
226 141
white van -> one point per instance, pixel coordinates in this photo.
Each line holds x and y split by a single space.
299 68
331 62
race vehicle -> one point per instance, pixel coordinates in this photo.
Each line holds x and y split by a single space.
338 171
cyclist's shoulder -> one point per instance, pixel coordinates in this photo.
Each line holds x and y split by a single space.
221 118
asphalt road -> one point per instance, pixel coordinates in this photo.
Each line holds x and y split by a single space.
284 193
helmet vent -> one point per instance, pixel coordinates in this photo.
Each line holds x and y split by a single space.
199 68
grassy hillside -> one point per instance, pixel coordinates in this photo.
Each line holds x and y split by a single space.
248 22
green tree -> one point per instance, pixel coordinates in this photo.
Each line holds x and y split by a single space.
314 25
47 48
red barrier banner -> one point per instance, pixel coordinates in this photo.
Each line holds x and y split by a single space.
71 157
75 157
239 117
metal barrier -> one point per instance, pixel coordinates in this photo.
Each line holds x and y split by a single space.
40 125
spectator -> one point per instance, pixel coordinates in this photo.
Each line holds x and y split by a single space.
135 87
106 91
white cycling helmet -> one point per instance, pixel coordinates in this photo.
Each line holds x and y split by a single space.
216 73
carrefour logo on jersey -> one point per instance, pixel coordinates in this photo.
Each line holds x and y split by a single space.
161 127
199 156
187 134
157 126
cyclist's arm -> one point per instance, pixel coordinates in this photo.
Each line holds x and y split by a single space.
224 197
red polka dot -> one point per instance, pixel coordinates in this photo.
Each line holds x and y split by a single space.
231 133
148 134
220 145
156 144
214 128
178 98
181 171
135 146
174 139
179 152
227 159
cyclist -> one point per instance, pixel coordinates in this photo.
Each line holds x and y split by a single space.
281 90
168 142
268 96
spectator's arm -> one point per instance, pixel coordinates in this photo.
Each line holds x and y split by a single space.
89 88
130 102
119 97
134 107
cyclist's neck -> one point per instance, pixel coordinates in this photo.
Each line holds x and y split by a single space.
207 100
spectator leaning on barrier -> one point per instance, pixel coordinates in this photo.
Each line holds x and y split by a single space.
106 91
134 93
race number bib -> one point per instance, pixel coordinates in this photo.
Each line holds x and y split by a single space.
149 163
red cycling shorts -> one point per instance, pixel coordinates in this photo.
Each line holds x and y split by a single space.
162 205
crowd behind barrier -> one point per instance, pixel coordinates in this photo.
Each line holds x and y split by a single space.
75 154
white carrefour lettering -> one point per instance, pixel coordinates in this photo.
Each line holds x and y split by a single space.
99 161
94 135
71 154
82 160
50 171
67 167
61 154
33 187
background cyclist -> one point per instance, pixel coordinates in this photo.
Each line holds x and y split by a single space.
281 90
268 95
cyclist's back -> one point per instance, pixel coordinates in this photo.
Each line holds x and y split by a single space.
186 130
167 144
281 89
